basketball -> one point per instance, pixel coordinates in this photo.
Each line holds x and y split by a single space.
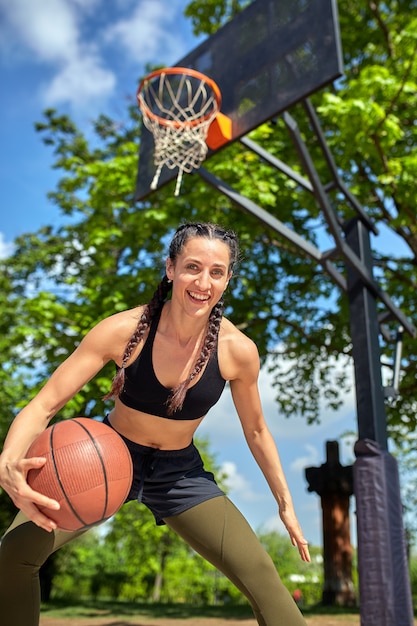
88 470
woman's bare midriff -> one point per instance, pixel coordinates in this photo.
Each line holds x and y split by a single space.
151 430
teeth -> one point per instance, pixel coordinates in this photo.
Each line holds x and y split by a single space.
198 296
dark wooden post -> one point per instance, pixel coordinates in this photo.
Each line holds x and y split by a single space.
334 484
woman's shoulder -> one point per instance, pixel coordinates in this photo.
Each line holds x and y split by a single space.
236 350
230 332
123 322
115 330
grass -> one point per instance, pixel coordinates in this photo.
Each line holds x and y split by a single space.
104 608
114 609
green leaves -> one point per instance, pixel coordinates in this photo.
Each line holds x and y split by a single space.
287 305
108 252
208 15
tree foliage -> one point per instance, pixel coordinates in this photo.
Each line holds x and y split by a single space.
106 251
369 121
136 561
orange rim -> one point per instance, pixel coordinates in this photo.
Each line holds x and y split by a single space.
177 70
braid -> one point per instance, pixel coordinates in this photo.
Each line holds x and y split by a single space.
181 236
176 399
144 322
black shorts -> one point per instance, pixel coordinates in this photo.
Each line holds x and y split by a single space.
169 482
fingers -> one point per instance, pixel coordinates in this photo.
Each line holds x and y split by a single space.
304 551
35 506
41 501
302 545
27 497
38 518
34 462
25 491
297 539
30 502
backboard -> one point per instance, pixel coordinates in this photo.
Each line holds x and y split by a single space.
269 57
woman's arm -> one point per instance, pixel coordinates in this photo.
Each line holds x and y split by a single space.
246 398
104 342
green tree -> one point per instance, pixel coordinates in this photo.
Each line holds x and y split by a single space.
74 567
107 254
369 121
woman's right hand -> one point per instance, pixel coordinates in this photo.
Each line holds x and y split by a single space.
105 342
13 479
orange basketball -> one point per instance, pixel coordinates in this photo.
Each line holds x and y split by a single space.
88 470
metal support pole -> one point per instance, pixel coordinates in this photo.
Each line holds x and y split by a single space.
365 341
384 584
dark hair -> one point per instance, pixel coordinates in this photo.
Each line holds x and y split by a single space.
181 236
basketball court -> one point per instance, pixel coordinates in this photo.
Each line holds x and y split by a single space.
271 56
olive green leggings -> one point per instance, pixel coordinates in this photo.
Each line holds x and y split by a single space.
215 529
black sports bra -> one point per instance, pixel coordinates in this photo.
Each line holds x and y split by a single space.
143 391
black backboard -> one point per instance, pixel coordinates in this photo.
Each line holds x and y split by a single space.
270 56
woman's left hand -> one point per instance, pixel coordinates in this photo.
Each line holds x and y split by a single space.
294 530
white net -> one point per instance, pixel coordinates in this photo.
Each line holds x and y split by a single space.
178 107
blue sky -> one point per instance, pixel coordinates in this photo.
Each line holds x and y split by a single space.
84 57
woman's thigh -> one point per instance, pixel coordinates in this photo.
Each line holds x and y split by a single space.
218 531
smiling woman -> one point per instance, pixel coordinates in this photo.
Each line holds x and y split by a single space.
173 358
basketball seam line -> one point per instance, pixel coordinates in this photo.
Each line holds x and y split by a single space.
58 478
102 466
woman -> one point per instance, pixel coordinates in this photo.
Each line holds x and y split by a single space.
173 358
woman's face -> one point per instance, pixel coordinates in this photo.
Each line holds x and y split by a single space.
200 273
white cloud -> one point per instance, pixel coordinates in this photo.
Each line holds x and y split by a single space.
48 28
237 484
80 80
80 44
6 248
312 458
273 525
149 33
49 31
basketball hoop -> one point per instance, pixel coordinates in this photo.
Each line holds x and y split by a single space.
178 106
